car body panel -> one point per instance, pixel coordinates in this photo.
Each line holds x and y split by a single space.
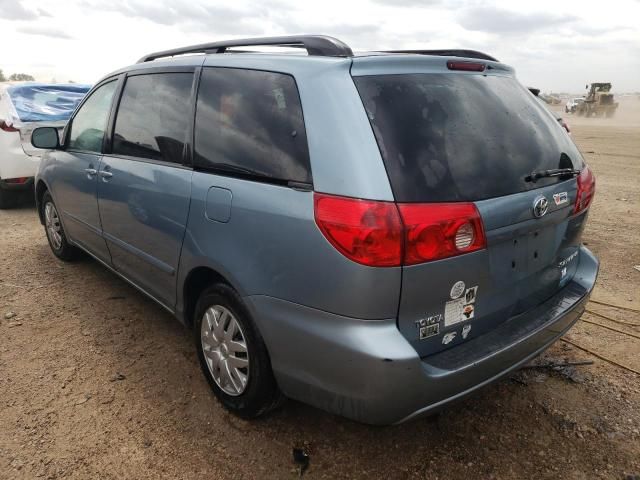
527 260
143 209
368 371
273 247
74 189
14 163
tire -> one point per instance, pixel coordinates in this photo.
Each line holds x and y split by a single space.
218 307
54 230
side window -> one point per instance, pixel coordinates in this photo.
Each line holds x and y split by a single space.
153 116
90 123
250 122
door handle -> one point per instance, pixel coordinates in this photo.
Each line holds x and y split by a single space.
90 171
104 174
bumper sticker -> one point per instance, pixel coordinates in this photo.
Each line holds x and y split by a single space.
457 289
470 294
448 338
461 309
465 331
560 198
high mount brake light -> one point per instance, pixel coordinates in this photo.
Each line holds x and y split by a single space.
586 190
7 128
385 234
466 66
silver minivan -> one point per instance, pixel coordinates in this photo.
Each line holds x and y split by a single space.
375 234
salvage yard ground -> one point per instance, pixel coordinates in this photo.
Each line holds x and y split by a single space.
96 381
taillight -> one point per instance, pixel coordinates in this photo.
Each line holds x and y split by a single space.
440 230
586 190
383 234
365 231
18 180
466 66
7 128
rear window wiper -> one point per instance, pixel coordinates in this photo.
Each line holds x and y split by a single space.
554 172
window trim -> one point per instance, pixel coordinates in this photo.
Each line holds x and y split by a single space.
187 151
66 134
247 176
147 160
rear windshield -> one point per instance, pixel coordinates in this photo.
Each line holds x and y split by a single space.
459 137
36 103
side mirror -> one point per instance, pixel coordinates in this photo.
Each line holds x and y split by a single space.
45 137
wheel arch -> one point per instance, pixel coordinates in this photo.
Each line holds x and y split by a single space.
41 188
195 282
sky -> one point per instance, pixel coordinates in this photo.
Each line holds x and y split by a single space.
553 45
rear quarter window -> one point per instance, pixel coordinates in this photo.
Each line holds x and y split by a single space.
461 137
250 123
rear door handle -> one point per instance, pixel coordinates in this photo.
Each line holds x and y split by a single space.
90 172
104 174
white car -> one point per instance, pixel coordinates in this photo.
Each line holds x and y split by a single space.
572 104
23 107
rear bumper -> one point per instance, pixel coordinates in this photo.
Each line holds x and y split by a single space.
14 163
367 371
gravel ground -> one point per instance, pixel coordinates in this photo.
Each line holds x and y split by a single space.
96 381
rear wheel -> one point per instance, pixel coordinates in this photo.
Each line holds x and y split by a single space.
232 354
56 236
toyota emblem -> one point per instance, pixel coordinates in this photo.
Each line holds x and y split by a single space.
540 207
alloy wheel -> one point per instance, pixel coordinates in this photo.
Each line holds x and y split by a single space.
225 350
52 224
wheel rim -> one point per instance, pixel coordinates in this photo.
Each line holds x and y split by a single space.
225 350
52 223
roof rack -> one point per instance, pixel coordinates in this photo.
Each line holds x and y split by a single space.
448 53
319 45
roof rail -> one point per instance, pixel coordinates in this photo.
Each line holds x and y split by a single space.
448 53
319 45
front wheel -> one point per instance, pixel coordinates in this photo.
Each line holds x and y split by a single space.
56 236
232 354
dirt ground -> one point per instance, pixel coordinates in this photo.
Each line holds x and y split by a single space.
96 381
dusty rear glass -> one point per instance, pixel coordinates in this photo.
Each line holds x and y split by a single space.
36 103
458 137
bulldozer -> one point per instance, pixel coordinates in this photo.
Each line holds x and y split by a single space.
598 102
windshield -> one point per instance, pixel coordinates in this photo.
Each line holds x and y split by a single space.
36 103
457 137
